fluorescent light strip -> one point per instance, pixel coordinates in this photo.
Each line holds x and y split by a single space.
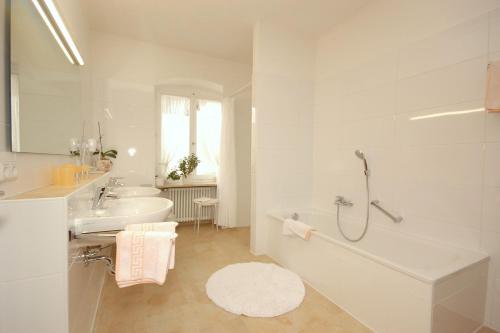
52 30
443 114
62 28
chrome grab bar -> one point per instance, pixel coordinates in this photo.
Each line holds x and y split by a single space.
395 219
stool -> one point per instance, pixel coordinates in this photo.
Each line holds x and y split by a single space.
205 202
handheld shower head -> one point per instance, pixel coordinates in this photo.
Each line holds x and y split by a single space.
361 155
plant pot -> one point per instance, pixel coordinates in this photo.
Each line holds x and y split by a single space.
104 165
174 182
187 180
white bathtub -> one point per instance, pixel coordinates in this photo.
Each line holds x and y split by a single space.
391 282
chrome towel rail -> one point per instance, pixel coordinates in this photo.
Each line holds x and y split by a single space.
93 235
395 219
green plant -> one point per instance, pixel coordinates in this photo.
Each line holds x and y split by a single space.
188 164
108 154
104 155
174 175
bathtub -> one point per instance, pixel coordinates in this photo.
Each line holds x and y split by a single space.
389 281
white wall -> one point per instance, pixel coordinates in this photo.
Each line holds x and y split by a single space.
34 169
282 132
393 61
243 137
124 75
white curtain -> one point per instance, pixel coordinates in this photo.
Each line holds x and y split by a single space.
208 129
174 132
14 91
226 177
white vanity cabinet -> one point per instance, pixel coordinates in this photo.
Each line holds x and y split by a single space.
41 288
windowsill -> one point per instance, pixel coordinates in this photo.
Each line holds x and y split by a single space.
187 185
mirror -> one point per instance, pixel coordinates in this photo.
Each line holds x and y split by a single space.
46 102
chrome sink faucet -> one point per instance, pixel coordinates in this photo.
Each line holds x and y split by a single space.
102 193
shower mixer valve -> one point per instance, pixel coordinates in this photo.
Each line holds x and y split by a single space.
341 201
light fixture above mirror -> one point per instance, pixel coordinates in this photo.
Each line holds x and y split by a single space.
50 15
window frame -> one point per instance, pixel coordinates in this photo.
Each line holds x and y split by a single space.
194 94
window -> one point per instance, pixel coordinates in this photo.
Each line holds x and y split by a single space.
190 125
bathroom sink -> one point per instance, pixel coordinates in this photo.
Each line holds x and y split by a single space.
136 191
117 213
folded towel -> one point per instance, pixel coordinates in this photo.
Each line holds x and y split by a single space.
158 226
293 227
493 87
143 257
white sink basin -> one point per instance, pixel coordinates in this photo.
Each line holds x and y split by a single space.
136 191
116 214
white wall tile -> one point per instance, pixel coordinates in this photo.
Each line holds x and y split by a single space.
490 242
439 173
494 34
5 137
287 98
445 127
491 209
492 165
368 132
454 84
465 41
283 98
442 183
381 69
377 101
492 127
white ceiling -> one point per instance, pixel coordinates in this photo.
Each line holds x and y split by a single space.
219 28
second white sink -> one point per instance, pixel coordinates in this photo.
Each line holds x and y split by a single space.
116 214
136 191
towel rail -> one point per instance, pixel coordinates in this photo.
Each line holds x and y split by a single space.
104 235
92 235
395 219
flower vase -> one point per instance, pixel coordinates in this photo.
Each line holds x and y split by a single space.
104 165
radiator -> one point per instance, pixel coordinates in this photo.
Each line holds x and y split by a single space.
184 209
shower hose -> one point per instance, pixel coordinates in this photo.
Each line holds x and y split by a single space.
365 228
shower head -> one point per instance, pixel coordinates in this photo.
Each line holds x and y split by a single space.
361 155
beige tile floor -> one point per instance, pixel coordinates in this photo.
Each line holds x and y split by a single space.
181 305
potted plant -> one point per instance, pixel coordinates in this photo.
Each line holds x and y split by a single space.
188 164
104 162
186 167
174 177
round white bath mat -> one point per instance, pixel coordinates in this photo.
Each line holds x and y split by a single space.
255 289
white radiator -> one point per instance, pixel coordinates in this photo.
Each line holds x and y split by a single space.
184 208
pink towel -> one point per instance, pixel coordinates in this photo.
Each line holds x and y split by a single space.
493 87
158 226
291 227
143 257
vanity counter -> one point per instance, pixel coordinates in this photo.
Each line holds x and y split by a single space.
55 191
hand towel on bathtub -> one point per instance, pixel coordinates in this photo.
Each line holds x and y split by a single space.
493 87
158 226
143 257
291 227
